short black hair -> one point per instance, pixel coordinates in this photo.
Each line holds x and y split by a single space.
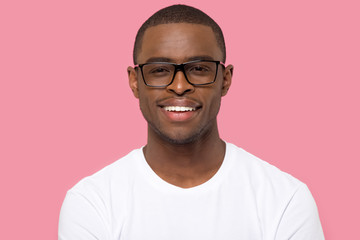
179 14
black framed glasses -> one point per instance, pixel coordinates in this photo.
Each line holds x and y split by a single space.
162 74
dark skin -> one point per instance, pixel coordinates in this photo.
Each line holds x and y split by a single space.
185 152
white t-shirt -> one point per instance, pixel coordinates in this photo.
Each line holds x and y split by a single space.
246 199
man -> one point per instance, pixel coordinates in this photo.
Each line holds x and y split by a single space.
186 183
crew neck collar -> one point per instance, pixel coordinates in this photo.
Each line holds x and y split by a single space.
157 182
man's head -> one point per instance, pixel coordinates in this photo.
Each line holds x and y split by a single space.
184 54
179 14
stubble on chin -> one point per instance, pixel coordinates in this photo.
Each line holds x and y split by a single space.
180 138
176 138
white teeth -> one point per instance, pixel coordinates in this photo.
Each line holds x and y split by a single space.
178 109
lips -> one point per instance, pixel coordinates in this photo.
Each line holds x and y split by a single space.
179 109
178 102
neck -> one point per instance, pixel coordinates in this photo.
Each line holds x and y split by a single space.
185 165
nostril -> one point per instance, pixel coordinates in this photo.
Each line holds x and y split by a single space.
180 91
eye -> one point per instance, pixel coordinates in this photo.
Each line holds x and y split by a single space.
159 70
199 68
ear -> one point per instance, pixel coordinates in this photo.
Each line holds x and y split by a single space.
227 75
133 81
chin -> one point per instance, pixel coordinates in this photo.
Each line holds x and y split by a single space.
181 136
180 140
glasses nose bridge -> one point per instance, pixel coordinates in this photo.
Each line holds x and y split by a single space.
180 85
181 67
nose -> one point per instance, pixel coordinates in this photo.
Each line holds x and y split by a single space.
180 85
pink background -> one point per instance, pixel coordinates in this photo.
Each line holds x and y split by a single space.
67 111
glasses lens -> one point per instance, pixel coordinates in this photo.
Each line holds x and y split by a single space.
158 74
201 72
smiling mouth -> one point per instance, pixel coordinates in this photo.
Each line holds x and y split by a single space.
178 109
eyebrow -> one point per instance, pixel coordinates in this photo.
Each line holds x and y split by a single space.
202 57
159 59
170 60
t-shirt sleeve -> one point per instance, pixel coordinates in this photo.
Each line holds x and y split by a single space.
81 219
300 220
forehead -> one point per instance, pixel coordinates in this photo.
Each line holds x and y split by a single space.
179 42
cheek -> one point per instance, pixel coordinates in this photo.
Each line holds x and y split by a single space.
147 103
144 104
214 103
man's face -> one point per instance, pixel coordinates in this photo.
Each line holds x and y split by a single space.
179 43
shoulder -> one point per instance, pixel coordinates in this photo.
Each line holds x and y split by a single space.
88 208
284 204
261 176
119 172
